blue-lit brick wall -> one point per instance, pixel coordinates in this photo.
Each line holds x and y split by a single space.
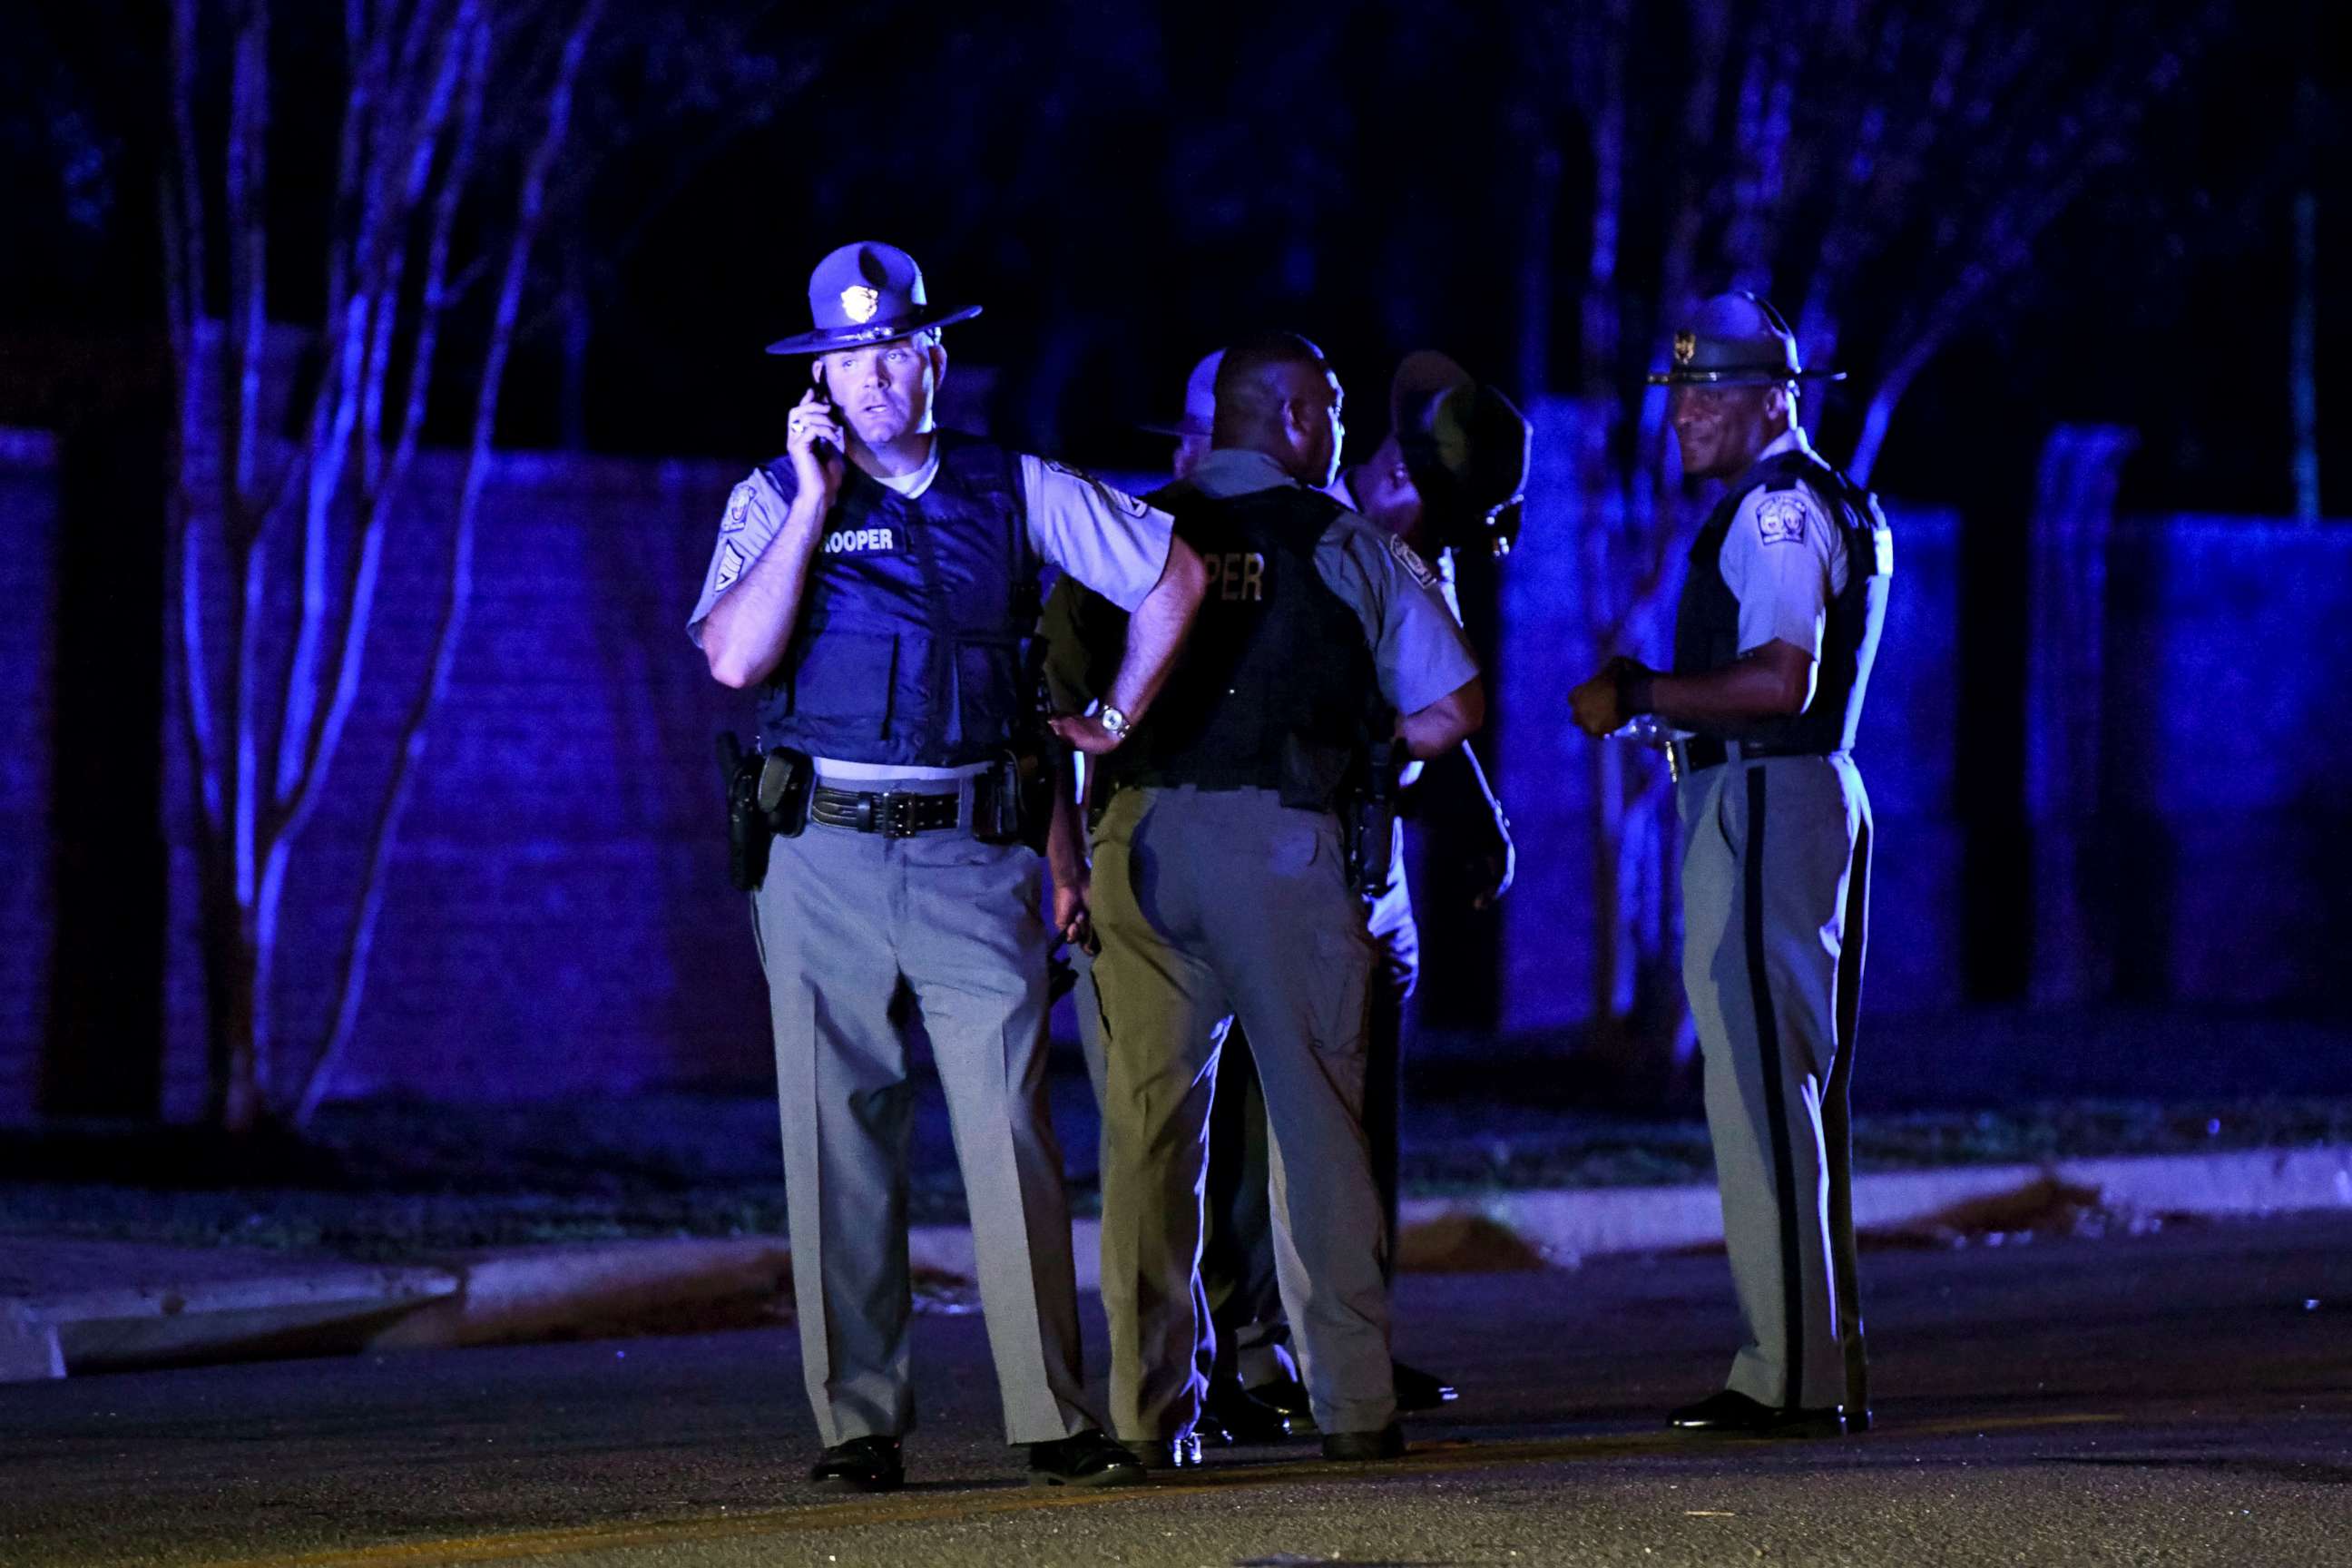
556 917
2228 826
28 519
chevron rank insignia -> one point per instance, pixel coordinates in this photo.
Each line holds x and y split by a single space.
731 566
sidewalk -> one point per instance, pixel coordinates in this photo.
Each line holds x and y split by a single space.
71 1306
403 1225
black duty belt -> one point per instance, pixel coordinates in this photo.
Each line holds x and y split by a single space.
1700 752
894 813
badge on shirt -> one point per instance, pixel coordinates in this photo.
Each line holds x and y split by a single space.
1780 519
731 562
1420 571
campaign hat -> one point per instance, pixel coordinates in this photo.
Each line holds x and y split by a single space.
1466 445
1200 402
1737 338
866 292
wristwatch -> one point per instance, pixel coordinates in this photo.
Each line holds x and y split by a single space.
1113 720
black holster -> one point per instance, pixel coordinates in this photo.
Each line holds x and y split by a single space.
1013 803
1367 815
767 797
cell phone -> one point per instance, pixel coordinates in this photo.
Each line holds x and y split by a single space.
822 448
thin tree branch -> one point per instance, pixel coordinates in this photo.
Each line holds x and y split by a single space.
529 213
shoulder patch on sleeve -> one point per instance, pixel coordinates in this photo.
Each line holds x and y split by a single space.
731 566
738 507
1408 558
1780 519
1112 496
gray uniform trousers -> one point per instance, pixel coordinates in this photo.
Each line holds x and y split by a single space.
1775 901
1238 1280
1217 905
844 920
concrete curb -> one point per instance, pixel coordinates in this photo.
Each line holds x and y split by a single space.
1564 1226
306 1308
1567 1226
557 1290
284 1307
29 1349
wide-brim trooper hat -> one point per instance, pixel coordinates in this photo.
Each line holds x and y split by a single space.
1737 340
1466 446
1200 402
864 293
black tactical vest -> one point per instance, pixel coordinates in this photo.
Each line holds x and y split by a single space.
913 619
1706 624
1275 687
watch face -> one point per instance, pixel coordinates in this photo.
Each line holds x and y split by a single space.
1113 719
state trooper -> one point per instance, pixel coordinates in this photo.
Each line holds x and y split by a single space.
1448 473
875 585
1220 895
1774 638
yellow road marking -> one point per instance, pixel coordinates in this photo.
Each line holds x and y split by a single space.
1426 1459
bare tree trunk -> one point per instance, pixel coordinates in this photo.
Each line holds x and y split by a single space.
2303 374
457 595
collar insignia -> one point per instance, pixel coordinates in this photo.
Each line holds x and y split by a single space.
859 301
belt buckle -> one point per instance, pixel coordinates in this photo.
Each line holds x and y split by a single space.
896 817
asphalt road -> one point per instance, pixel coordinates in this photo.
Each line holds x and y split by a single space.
2178 1398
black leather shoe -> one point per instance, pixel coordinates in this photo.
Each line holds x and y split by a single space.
1167 1453
862 1465
1730 1414
1088 1460
1355 1448
1288 1396
1418 1390
1232 1414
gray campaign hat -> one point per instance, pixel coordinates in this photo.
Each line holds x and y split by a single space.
1200 401
1736 340
868 293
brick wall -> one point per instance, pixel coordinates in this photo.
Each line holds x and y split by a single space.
28 519
556 916
2226 831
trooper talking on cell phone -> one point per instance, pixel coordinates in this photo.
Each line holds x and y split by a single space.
877 586
1773 645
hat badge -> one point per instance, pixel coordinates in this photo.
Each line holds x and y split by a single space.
859 301
1686 347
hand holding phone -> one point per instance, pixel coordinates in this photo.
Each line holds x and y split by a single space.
812 439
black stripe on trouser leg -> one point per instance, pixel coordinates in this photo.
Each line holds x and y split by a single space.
1855 942
1776 1098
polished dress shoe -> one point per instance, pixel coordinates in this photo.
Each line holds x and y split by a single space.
1231 1414
1730 1414
1418 1390
1179 1453
1089 1458
862 1465
1355 1448
1288 1396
